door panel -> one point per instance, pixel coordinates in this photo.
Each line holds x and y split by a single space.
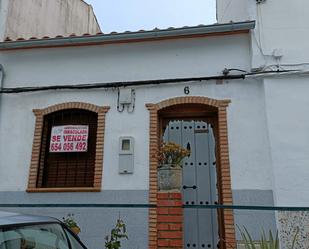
213 185
203 183
199 181
189 181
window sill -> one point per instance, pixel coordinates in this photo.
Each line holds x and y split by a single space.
45 190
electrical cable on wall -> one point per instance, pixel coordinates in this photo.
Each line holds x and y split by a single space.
120 108
131 110
113 85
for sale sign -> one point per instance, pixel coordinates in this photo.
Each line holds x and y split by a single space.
69 138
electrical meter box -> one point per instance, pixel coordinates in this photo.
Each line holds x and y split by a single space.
125 96
126 155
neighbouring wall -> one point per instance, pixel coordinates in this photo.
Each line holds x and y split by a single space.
235 10
38 18
3 17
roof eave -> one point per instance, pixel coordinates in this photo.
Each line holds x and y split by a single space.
126 37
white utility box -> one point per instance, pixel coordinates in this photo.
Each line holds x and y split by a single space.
126 155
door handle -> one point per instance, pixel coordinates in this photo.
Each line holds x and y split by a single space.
189 149
193 187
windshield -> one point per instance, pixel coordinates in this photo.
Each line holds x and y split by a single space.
43 236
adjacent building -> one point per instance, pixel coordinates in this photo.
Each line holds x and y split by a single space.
25 19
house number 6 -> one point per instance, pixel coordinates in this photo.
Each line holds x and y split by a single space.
186 90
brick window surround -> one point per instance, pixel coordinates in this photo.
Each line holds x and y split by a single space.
37 140
223 170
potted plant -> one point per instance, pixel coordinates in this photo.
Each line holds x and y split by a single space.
71 223
170 166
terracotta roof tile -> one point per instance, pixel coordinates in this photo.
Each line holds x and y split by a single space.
8 39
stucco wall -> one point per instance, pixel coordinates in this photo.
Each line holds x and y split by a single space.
171 59
287 106
250 164
267 126
284 25
235 10
280 25
257 108
38 18
3 17
126 62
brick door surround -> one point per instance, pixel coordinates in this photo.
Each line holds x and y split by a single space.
169 220
224 177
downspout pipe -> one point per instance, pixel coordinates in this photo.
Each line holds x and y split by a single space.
1 86
1 76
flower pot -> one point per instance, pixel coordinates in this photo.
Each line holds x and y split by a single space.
75 230
170 177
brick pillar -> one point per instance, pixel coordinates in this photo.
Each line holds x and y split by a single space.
170 220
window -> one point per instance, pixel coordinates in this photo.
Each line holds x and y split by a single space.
67 150
38 236
66 167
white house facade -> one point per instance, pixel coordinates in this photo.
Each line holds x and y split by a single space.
189 85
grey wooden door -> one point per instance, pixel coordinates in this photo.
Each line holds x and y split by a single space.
199 181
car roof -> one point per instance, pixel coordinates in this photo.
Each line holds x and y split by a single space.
7 218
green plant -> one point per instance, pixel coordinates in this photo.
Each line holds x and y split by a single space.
117 233
272 242
172 153
69 220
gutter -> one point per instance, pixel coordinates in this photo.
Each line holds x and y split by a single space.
126 37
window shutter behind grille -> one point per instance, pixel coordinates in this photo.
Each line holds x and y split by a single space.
68 169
